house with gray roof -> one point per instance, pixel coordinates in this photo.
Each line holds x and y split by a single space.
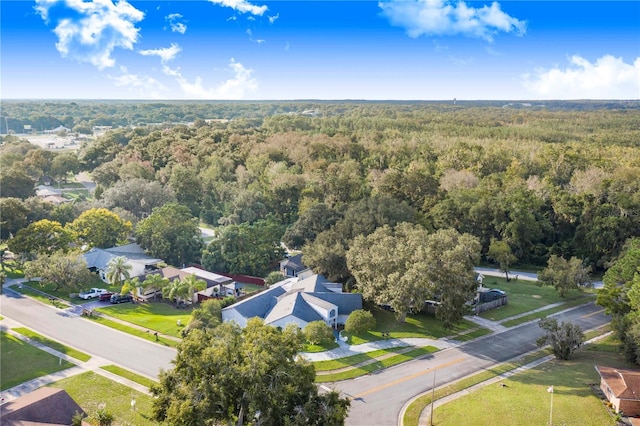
297 300
292 266
97 260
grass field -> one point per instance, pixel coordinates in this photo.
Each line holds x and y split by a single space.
419 325
61 293
129 375
93 392
537 315
158 316
133 331
375 366
53 344
29 291
524 296
525 399
21 362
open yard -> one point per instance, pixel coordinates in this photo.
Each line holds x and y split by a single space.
93 392
61 293
419 325
525 400
158 316
20 362
525 296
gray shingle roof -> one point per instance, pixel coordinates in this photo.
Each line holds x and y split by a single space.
293 304
312 284
277 303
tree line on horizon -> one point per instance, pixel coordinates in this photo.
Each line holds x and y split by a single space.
538 184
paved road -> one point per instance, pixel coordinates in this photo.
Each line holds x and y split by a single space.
378 398
528 276
123 349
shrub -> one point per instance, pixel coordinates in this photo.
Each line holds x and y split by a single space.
104 417
318 332
360 321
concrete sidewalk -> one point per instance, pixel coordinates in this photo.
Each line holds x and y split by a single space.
93 364
346 350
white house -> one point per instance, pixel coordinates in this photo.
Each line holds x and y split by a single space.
297 300
98 259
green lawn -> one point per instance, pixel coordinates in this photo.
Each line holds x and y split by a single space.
419 325
144 334
537 315
524 296
335 364
158 316
21 362
61 293
525 399
129 375
375 366
29 291
53 344
12 269
93 392
319 348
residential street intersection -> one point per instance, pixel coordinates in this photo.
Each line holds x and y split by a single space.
377 399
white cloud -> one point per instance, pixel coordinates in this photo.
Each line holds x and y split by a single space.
445 17
89 31
607 78
145 86
250 34
439 47
166 54
272 19
175 24
242 6
235 88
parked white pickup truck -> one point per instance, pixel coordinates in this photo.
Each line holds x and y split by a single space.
92 293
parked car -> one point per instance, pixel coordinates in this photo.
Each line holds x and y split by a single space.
92 293
491 295
120 298
105 296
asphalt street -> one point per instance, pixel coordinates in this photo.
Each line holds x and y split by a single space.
123 349
378 399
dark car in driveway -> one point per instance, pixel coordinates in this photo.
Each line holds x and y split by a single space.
120 298
105 296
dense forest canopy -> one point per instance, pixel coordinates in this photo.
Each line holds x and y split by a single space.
45 115
560 179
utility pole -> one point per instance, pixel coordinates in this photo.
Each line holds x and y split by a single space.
433 394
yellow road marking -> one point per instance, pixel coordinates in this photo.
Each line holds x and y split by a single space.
593 313
413 376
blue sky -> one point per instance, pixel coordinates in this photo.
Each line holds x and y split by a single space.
377 50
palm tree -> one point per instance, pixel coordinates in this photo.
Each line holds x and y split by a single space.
183 289
131 286
154 282
118 270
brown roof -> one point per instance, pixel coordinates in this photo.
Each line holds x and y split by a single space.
168 272
49 406
625 384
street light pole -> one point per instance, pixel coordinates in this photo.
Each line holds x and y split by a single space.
433 394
